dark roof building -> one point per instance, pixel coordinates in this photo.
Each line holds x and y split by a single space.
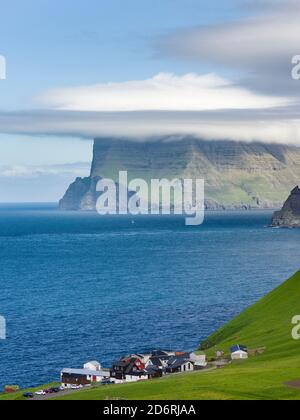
130 365
180 364
82 376
154 372
156 361
238 347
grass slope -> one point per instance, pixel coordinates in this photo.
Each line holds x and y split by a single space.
267 323
15 396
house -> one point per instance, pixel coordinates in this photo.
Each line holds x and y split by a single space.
144 357
118 371
155 372
154 361
239 352
127 366
199 360
159 362
180 364
156 367
82 377
94 365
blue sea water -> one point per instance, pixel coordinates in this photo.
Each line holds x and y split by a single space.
77 286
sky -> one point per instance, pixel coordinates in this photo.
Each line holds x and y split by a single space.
76 70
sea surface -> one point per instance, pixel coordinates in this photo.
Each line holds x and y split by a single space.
78 287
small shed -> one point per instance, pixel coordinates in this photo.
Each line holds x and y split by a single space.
94 365
239 352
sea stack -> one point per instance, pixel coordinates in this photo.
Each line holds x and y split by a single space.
289 216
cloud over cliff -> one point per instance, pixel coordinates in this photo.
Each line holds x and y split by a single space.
268 126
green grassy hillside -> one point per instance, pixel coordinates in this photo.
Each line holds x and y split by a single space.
265 324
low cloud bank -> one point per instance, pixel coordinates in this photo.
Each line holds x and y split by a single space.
272 126
37 171
204 106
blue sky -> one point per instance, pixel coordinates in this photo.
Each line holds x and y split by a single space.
51 44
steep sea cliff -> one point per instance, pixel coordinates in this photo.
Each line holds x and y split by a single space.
237 175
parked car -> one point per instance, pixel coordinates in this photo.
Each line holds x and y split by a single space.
42 392
55 389
28 395
107 382
74 387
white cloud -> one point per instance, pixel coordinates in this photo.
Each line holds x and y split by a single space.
163 92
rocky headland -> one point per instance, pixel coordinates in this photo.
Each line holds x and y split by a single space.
289 215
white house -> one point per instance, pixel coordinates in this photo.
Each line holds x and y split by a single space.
180 364
199 360
239 352
94 365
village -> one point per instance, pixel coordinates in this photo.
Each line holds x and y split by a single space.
143 367
140 367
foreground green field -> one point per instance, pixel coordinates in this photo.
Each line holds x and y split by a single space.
265 324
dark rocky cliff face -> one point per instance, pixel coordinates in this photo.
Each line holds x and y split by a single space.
289 216
237 175
81 195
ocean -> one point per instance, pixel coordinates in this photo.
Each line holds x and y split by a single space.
78 287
